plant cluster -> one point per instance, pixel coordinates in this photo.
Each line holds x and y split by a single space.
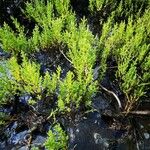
51 19
128 6
122 10
96 4
77 87
126 41
128 44
13 42
25 79
55 24
57 139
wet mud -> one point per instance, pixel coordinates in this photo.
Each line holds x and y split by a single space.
101 129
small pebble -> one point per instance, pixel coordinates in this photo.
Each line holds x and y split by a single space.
146 135
142 126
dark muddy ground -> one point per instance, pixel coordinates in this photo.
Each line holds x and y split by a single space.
100 129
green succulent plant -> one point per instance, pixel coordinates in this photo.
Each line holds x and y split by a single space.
57 139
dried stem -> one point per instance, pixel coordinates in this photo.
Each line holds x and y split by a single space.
138 112
111 92
65 56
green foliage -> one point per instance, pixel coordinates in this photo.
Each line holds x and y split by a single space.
5 34
128 44
52 24
43 12
104 51
48 30
78 88
62 7
7 88
34 148
57 139
56 26
74 93
50 83
96 3
122 9
13 42
40 12
80 42
128 6
3 118
132 7
25 78
26 75
51 35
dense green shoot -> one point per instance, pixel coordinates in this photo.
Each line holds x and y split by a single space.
48 30
57 139
11 41
52 24
96 3
25 79
78 88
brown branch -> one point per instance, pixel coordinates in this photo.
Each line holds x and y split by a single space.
138 112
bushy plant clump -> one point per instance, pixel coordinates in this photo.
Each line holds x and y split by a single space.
57 139
101 10
99 4
126 7
51 23
13 42
24 79
52 28
128 44
51 17
78 88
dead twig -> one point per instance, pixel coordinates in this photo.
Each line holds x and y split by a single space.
111 92
138 112
65 56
